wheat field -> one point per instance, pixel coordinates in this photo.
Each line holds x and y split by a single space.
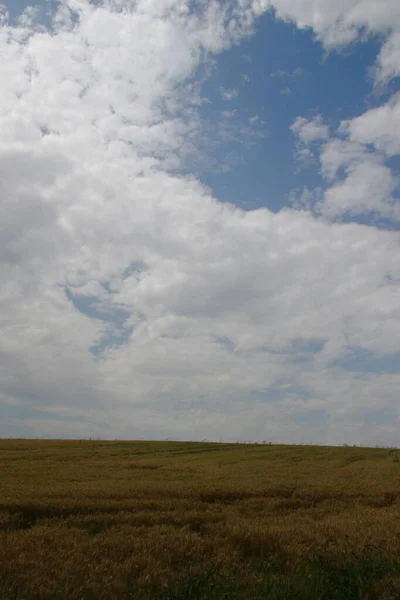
175 520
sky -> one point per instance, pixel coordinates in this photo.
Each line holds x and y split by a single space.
199 232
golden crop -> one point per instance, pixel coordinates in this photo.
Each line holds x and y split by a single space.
95 519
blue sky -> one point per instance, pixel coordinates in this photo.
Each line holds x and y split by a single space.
202 220
290 75
280 72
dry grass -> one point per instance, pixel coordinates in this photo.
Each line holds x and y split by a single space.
82 520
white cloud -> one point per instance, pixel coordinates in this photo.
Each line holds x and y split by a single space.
388 63
367 188
358 180
339 23
221 303
378 126
228 114
307 133
282 74
229 93
310 131
354 161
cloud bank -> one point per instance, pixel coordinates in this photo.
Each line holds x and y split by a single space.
133 302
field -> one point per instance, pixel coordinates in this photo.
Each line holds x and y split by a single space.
171 520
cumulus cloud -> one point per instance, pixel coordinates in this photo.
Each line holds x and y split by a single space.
361 181
339 23
388 62
133 302
358 180
310 131
367 189
379 127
